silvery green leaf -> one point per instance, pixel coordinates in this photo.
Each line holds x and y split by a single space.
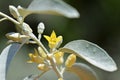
92 53
83 71
5 58
56 7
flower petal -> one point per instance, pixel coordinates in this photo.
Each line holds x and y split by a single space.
59 38
47 38
53 35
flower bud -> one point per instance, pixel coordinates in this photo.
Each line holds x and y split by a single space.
13 36
70 60
59 57
14 11
42 53
17 37
43 67
41 28
35 58
26 30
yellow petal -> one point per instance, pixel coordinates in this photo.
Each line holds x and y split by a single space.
53 41
30 55
38 59
47 38
52 45
53 35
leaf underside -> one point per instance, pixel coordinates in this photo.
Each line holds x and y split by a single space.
5 58
79 71
55 7
92 53
83 71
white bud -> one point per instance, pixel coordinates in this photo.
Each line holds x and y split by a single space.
17 37
41 28
14 11
13 36
26 29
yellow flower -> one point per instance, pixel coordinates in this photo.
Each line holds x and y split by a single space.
53 41
70 60
35 58
59 57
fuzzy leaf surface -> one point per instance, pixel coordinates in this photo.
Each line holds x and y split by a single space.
92 53
83 71
55 7
5 58
78 71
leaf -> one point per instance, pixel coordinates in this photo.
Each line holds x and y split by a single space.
78 71
5 58
56 7
83 71
92 53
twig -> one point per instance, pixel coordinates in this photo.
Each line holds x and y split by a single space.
9 18
2 19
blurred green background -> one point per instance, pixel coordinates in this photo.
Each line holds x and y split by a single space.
99 23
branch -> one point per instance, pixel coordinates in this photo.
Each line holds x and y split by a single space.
9 18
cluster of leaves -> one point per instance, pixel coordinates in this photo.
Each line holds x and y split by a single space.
86 50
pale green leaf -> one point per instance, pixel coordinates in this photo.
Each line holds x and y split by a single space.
92 53
5 58
78 71
56 7
83 71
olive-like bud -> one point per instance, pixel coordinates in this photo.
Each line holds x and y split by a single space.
59 57
70 60
14 11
